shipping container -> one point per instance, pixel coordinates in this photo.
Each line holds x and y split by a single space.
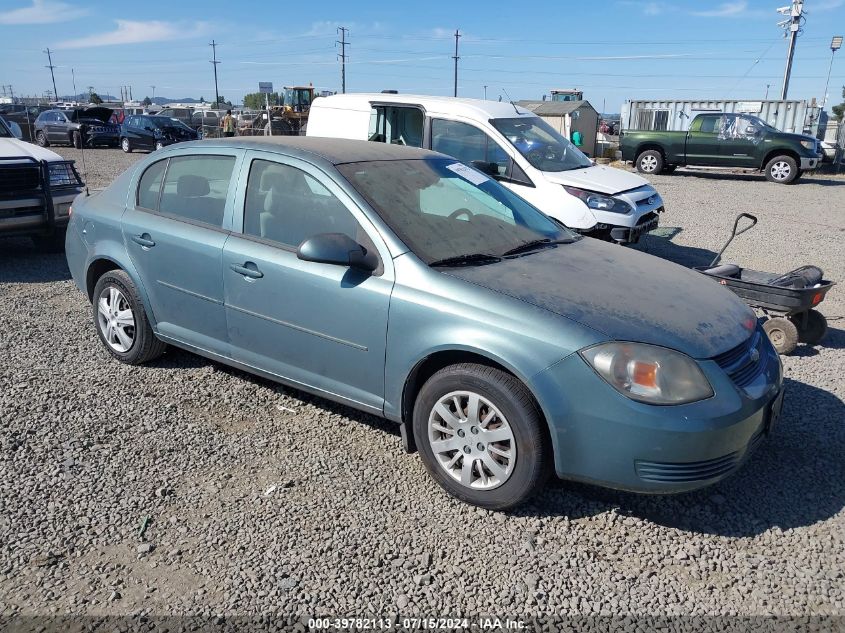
799 117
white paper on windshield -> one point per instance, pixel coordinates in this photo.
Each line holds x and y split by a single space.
468 173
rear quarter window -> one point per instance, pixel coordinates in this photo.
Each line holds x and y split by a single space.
150 186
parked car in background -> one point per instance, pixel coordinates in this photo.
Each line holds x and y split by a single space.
77 127
508 143
153 132
404 283
37 187
24 116
185 115
716 139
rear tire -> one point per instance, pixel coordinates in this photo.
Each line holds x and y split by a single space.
41 139
650 162
782 333
76 140
782 170
159 145
815 329
121 321
125 145
500 456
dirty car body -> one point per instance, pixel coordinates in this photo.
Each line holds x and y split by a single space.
409 319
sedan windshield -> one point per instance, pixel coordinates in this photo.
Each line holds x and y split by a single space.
544 148
444 210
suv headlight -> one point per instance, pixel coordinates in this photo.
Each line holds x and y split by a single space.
648 373
599 201
61 175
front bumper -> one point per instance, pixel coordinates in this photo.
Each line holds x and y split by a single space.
101 138
601 437
810 162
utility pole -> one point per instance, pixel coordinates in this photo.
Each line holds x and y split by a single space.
485 93
767 92
835 45
456 58
154 91
214 61
73 75
343 30
51 67
791 25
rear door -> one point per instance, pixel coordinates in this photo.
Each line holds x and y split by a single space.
740 138
174 232
56 127
315 324
703 142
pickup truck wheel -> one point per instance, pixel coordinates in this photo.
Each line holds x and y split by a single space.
650 162
54 243
121 321
41 139
76 140
481 436
782 169
125 146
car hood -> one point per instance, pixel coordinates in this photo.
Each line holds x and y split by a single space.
598 178
16 147
99 114
624 294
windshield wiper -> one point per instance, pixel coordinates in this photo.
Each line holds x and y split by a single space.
469 259
534 244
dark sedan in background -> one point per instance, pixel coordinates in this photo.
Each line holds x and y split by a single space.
77 127
153 132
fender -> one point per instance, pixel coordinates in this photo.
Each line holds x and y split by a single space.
115 252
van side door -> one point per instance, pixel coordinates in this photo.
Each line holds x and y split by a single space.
397 124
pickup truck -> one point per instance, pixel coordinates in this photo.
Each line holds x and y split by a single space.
717 139
37 187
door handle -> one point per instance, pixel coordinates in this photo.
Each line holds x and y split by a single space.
144 240
247 269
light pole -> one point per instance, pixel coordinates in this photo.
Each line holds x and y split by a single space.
835 45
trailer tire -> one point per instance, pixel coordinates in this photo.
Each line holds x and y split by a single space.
782 333
650 162
782 169
815 329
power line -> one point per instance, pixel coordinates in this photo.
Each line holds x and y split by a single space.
343 30
214 61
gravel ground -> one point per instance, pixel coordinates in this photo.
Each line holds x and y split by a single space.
263 500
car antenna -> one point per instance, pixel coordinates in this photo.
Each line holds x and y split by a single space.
511 101
84 167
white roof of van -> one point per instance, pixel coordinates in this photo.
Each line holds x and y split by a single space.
452 105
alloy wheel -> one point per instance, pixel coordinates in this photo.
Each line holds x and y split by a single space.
781 170
472 440
124 144
648 163
116 319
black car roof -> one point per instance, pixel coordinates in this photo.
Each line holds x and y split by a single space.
333 150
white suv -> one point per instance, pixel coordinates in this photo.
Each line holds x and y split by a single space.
509 143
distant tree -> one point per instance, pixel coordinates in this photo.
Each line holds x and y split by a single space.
256 101
202 99
839 110
95 98
147 101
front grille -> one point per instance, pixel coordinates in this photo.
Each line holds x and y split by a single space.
741 363
647 217
19 178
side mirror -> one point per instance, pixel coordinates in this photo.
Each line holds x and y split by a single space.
750 130
338 249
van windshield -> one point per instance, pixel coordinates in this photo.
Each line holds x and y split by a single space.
544 148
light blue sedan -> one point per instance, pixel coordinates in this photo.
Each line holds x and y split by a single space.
403 283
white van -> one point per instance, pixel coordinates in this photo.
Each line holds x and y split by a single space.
509 143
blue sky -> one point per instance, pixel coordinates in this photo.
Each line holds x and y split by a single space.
613 50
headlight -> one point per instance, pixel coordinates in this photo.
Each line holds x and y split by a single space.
648 373
598 201
811 145
61 175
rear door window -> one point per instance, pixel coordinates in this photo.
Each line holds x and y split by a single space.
195 188
400 125
150 186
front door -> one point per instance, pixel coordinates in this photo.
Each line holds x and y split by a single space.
703 144
174 233
319 325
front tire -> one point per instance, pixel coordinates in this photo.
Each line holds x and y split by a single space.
782 333
782 170
650 162
125 145
121 321
159 145
481 436
41 139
